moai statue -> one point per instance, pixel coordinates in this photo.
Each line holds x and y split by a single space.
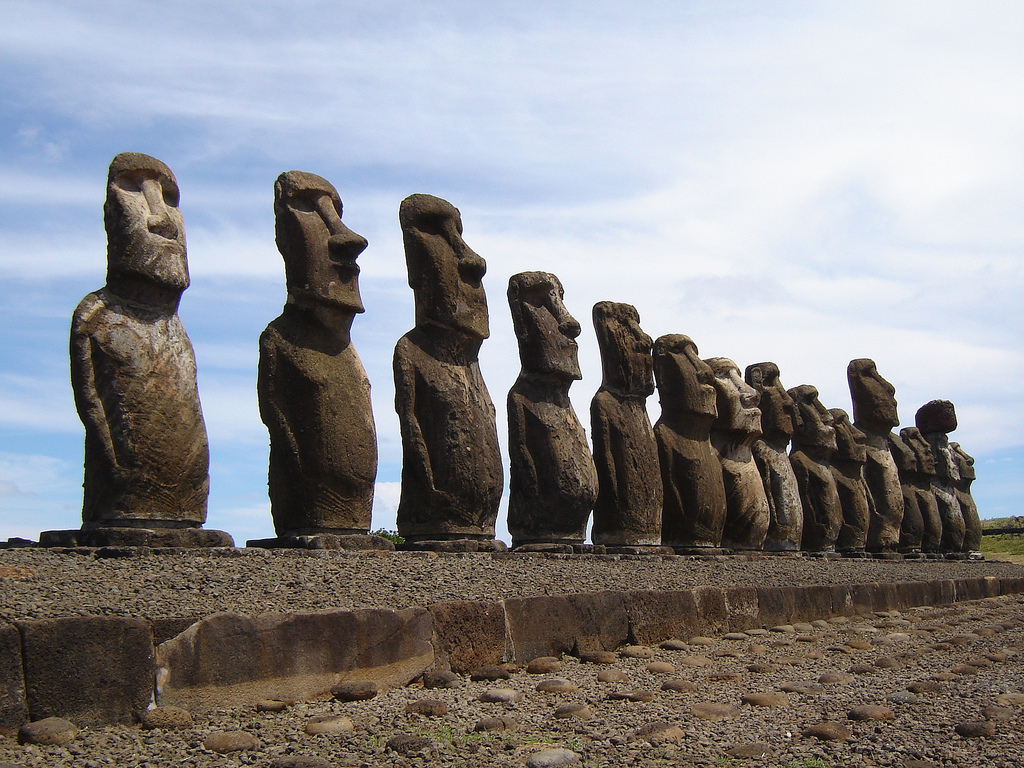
912 531
771 453
874 414
733 433
133 373
694 493
972 520
814 443
553 481
847 465
922 480
627 512
936 419
451 465
314 396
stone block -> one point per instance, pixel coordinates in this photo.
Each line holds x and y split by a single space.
655 615
166 628
910 594
712 610
92 670
969 589
551 625
13 711
777 605
943 591
741 607
866 596
812 602
468 634
230 659
888 600
1011 585
992 586
842 600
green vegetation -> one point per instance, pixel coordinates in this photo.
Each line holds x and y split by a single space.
391 536
1010 544
1003 522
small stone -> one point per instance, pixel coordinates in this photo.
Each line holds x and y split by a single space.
964 669
698 640
679 686
886 662
978 729
674 645
659 732
1010 699
727 653
598 657
762 668
223 742
612 676
636 652
712 711
814 654
792 661
996 712
998 658
828 731
300 761
640 696
980 662
328 725
925 686
725 677
945 677
271 705
354 691
828 678
544 665
441 679
756 632
556 685
863 669
808 638
765 699
167 718
407 743
756 750
787 629
859 645
427 707
496 724
50 731
552 758
661 668
898 637
489 673
903 697
736 636
808 687
803 626
501 695
870 712
579 711
757 649
694 661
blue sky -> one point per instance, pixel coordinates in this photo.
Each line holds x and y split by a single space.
802 182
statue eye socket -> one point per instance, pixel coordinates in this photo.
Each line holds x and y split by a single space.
303 201
171 195
129 182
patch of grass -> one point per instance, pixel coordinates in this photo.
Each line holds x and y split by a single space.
391 536
1003 522
1008 543
808 762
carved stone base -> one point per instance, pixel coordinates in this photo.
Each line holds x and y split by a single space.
639 550
886 556
825 555
567 549
185 538
855 554
454 545
701 550
324 541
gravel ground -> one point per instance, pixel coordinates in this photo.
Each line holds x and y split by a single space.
38 583
970 653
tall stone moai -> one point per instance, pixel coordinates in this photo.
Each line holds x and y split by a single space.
733 432
874 414
627 512
814 443
133 372
921 478
694 511
972 520
314 395
771 453
936 419
553 480
912 531
451 466
847 465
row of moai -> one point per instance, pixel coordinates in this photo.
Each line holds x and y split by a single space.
715 472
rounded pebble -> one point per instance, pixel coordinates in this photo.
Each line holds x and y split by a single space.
552 758
326 725
828 731
501 695
167 718
50 731
870 712
223 742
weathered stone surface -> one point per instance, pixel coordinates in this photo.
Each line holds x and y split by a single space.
497 724
553 481
742 610
912 530
814 443
713 711
441 679
314 395
679 686
552 758
223 742
917 475
490 673
847 466
167 718
629 500
870 712
94 670
328 725
612 676
778 420
935 420
13 710
451 465
133 369
409 744
634 696
549 626
556 685
735 429
50 731
428 707
968 507
229 659
977 729
354 690
660 668
501 695
655 615
765 699
756 750
299 761
543 665
874 413
659 732
694 505
828 731
469 634
573 709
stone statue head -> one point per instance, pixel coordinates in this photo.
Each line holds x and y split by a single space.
874 398
936 416
964 462
903 454
544 328
319 250
736 400
922 450
814 427
626 363
685 382
445 274
778 411
848 437
145 229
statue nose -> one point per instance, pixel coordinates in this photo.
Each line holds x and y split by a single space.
346 245
159 221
